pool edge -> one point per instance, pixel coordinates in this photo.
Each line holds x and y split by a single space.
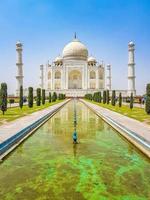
14 144
121 131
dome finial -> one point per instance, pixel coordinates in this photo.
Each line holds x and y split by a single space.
75 35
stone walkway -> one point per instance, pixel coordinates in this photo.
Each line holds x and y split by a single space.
135 126
8 130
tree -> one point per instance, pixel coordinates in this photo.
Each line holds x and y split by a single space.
61 96
50 97
113 99
30 97
100 97
131 101
21 97
147 106
38 96
107 96
89 96
94 96
120 99
3 97
54 97
104 97
43 96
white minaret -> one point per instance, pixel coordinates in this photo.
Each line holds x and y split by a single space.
19 65
131 69
42 76
108 78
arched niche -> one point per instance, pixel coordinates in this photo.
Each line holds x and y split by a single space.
49 75
92 75
75 79
57 75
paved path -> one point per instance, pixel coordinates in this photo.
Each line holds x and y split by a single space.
8 130
135 126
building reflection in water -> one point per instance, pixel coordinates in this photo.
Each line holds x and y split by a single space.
75 150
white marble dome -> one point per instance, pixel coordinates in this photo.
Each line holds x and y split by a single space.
75 50
58 59
91 59
131 43
18 44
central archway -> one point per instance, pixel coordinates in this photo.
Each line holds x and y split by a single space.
75 80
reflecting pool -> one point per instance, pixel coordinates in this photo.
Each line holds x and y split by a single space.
103 166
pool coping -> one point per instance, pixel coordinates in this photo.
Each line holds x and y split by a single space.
141 143
14 141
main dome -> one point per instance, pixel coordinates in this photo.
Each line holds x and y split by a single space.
75 50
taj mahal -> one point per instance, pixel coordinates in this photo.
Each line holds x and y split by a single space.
75 73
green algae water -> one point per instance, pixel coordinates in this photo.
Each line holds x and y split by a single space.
48 166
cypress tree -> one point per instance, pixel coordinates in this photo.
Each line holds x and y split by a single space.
107 96
99 98
147 106
59 97
94 96
120 99
104 97
54 97
113 99
30 97
131 101
50 97
43 96
21 97
38 96
3 97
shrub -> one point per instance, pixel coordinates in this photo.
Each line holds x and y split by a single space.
3 97
38 98
147 106
11 101
21 97
120 99
30 97
50 97
113 99
89 96
104 97
131 101
54 97
100 97
94 96
43 96
107 96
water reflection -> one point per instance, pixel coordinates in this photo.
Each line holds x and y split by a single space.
75 146
48 165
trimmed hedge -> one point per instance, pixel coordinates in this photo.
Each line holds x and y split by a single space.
147 106
30 97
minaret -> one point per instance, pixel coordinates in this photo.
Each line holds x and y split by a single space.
131 69
19 65
42 76
108 78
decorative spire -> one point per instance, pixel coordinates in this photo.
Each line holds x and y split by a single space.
75 35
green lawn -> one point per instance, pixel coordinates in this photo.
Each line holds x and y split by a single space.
136 113
15 113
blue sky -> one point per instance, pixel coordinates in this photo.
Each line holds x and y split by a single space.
104 26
